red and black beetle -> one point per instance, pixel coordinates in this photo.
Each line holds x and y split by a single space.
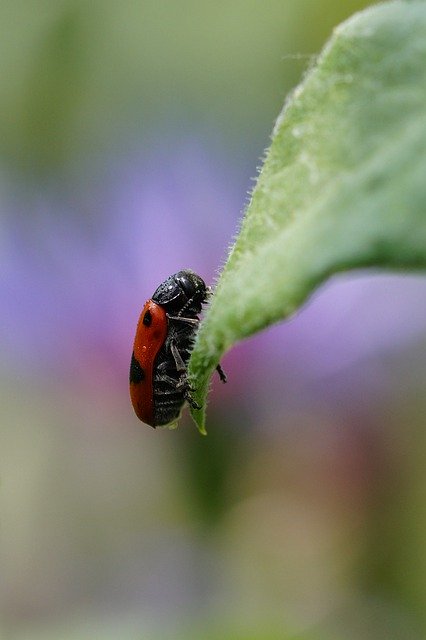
165 333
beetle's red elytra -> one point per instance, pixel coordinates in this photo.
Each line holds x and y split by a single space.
165 332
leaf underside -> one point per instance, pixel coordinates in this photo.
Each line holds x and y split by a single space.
343 184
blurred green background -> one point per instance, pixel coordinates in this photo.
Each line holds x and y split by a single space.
129 136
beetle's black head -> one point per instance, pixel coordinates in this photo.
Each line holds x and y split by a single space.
182 294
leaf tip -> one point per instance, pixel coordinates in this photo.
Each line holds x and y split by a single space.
199 417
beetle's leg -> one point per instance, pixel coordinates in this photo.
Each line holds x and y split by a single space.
180 364
222 374
183 384
183 381
164 378
187 390
188 397
193 321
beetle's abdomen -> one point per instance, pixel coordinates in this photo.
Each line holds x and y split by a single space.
168 395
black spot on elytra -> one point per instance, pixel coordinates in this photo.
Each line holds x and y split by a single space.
137 374
147 319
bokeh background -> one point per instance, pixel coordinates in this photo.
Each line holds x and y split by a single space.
130 133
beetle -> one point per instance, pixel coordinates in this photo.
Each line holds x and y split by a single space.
166 329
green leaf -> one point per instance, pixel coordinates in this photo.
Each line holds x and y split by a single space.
343 185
